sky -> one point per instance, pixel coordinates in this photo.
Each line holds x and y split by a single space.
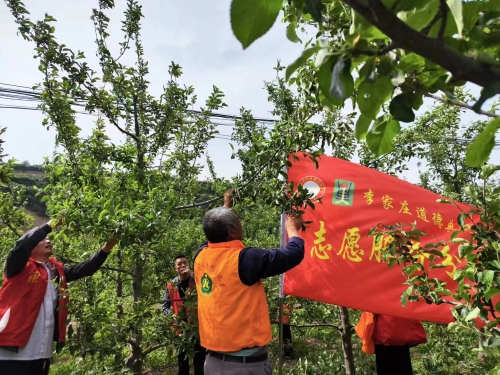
196 34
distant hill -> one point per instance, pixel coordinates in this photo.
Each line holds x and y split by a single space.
30 176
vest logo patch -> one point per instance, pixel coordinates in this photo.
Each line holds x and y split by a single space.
206 284
34 278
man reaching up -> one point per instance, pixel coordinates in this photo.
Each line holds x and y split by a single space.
232 307
34 299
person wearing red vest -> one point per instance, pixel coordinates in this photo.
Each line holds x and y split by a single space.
232 307
287 330
390 338
177 290
34 299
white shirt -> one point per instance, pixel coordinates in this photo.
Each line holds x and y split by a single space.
39 345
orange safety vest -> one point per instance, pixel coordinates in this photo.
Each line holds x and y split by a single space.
232 316
176 301
388 330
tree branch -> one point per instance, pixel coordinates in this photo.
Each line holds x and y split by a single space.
433 49
221 197
382 51
460 104
12 229
444 19
153 348
193 205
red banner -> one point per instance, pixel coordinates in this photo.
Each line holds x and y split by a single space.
343 265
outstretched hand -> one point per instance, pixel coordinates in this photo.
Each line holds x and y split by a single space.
55 223
228 202
108 246
293 224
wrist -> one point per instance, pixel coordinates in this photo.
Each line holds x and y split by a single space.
106 249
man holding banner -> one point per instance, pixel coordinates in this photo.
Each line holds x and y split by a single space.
232 307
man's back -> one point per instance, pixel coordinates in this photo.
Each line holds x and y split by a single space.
226 305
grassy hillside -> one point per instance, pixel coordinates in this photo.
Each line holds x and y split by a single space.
30 176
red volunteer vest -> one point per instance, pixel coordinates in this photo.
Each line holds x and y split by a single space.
21 298
388 330
176 301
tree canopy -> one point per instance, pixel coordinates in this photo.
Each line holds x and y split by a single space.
386 56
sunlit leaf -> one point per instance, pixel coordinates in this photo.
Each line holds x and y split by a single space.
252 19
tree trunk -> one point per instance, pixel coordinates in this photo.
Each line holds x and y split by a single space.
134 362
347 341
119 286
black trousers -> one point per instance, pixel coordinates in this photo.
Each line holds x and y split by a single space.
198 361
393 360
287 341
36 367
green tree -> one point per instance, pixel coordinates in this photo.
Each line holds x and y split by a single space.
388 51
12 202
437 142
141 190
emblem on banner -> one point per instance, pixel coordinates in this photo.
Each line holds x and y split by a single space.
343 193
314 185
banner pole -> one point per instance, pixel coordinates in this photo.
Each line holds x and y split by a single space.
281 295
281 298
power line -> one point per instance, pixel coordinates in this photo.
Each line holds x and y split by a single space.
34 95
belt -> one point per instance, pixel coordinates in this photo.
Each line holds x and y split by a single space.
238 359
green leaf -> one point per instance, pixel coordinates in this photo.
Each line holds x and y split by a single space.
491 292
470 13
325 80
341 82
300 61
461 219
252 19
371 96
473 314
487 92
405 295
381 135
456 9
398 78
291 34
434 252
400 108
411 62
315 9
337 89
362 126
488 169
480 149
419 18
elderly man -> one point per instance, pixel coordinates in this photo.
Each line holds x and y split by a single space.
33 301
232 306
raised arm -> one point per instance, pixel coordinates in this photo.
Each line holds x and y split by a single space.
21 252
255 264
90 266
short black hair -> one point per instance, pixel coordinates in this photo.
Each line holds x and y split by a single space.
180 256
217 222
